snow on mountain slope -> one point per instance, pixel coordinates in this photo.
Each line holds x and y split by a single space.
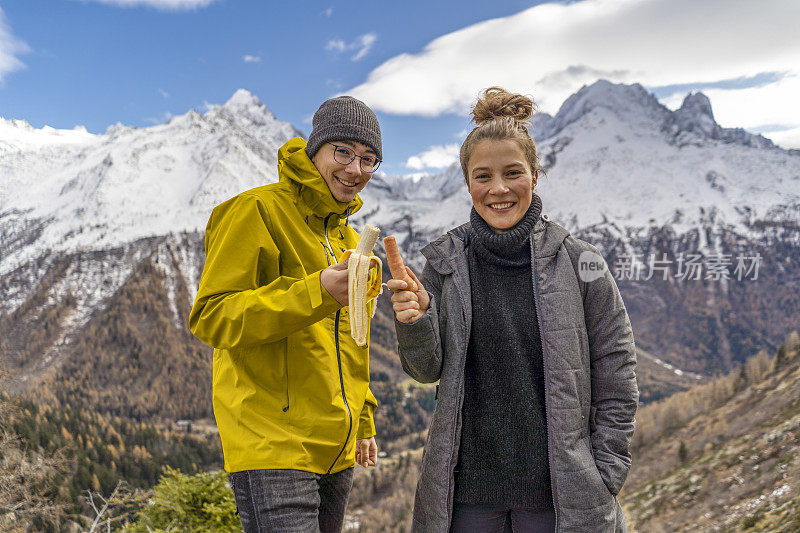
80 213
614 154
83 191
647 170
69 190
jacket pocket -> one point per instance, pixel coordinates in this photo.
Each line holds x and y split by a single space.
583 490
285 356
262 378
597 478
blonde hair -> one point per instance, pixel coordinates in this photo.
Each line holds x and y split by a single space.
500 115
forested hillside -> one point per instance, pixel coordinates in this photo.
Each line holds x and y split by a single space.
721 456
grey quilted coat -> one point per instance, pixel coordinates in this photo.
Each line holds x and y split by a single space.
590 385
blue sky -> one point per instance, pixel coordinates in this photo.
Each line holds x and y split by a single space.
419 64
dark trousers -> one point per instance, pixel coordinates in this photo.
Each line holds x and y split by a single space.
500 519
291 500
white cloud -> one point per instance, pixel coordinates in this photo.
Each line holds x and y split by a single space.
167 5
336 45
334 84
251 59
787 138
674 100
365 43
551 50
10 49
416 176
328 12
163 93
362 45
756 106
165 116
434 157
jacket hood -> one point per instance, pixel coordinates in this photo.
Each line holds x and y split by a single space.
294 166
442 253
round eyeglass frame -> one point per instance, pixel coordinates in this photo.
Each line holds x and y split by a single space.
361 158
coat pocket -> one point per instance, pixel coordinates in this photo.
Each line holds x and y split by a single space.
595 479
582 489
268 367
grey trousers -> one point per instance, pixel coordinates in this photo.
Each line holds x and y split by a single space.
500 519
291 500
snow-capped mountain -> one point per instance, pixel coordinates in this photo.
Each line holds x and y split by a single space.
79 213
613 153
614 143
83 191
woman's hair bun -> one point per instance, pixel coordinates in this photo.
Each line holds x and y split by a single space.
497 102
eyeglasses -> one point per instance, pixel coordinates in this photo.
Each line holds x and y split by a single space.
344 155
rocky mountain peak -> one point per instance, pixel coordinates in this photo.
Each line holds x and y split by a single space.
19 133
15 123
245 110
630 103
697 104
243 98
696 117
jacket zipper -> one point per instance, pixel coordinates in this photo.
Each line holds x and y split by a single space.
344 397
338 356
546 394
328 248
454 456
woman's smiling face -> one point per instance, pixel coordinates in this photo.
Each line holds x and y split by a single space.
500 182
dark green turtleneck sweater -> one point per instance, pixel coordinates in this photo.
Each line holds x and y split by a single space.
503 453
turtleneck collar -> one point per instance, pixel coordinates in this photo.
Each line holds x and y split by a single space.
510 243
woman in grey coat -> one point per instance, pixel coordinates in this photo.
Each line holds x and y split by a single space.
524 329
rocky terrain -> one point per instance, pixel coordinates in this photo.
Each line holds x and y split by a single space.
734 466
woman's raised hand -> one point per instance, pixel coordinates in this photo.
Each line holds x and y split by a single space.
408 305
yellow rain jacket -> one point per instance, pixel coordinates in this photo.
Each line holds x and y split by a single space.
291 387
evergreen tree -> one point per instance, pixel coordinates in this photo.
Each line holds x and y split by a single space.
199 503
683 452
780 358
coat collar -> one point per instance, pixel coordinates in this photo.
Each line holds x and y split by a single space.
314 196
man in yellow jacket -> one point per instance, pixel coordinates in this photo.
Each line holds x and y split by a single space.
291 387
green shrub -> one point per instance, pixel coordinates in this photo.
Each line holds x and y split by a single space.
750 521
202 503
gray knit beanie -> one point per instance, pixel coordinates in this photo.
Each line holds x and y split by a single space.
344 119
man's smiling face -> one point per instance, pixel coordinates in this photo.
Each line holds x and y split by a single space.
344 181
